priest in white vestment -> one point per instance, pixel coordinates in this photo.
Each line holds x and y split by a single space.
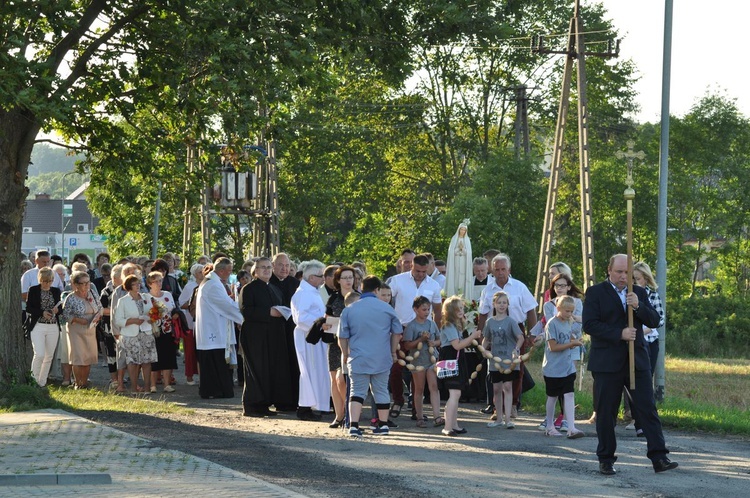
314 379
216 313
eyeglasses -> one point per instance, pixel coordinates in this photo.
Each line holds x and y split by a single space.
561 286
47 281
347 278
264 267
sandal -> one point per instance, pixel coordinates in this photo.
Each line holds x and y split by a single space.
439 421
576 434
421 424
395 411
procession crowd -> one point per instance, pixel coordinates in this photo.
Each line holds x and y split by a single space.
320 340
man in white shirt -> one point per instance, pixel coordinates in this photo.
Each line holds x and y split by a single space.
214 332
410 284
522 307
31 277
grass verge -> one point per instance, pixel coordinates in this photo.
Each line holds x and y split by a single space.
26 397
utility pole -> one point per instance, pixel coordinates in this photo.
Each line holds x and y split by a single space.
522 123
575 53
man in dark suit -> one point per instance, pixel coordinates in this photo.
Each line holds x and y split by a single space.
605 319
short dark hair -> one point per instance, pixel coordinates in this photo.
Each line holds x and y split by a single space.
371 283
42 253
128 282
421 260
160 265
407 251
419 301
439 262
102 255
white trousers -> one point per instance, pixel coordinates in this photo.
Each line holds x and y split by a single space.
44 339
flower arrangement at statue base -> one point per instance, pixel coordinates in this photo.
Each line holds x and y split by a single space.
159 319
471 313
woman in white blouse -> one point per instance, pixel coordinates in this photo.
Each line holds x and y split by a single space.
131 315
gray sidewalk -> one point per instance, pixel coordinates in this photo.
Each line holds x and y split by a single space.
51 446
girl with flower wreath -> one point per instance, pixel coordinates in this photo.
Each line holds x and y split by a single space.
160 312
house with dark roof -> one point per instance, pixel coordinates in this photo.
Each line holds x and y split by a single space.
61 226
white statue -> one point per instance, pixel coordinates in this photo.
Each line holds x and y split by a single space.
459 277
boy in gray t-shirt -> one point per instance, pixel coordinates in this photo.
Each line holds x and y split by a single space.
558 368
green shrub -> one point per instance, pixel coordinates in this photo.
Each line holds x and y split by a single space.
714 326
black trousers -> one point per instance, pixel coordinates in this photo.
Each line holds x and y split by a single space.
608 392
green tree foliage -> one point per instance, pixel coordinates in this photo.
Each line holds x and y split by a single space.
85 67
710 164
500 211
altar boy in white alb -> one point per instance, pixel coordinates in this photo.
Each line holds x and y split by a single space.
216 313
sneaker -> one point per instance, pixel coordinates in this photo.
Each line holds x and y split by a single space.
559 421
510 425
543 425
169 389
355 432
630 426
381 431
373 424
564 426
495 424
190 383
392 424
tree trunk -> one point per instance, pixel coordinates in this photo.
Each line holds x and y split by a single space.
18 130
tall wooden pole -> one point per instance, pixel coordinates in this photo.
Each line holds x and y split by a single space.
629 197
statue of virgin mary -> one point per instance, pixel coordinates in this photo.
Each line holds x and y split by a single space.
459 276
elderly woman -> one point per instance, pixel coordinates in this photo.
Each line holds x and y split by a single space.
42 308
343 283
187 303
62 272
266 362
307 306
82 311
166 348
136 337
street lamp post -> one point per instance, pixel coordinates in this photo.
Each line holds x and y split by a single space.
62 215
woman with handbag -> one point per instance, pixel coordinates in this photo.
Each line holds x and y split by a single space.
42 308
452 344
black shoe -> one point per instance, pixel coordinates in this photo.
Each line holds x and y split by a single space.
460 431
608 468
308 415
488 409
392 424
664 465
286 408
336 424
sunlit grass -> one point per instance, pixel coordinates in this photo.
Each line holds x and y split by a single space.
95 400
701 394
